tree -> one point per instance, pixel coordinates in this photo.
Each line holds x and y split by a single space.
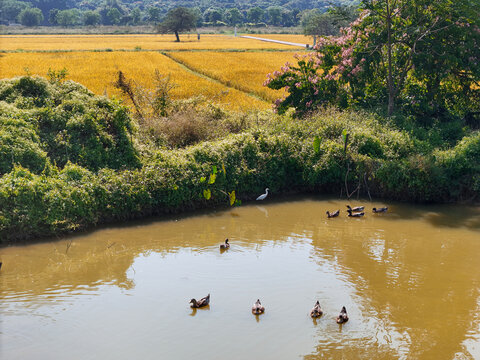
234 16
52 17
10 9
136 16
420 54
114 15
153 14
30 17
91 18
316 23
274 15
178 20
69 17
255 14
212 15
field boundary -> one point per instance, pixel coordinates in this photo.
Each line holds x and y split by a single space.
276 41
208 76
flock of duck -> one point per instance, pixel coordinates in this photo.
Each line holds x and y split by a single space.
356 211
258 308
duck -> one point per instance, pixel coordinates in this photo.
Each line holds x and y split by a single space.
357 208
380 210
225 246
200 303
257 308
342 317
334 214
263 196
352 214
316 311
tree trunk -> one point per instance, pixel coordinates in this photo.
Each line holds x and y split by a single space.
178 37
391 87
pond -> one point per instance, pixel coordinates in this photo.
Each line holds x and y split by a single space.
409 279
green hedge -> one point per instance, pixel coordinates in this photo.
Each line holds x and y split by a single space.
40 198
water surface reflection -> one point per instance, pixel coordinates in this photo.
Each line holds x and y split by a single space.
409 280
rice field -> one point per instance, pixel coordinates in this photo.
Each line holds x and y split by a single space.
133 42
224 69
97 71
245 71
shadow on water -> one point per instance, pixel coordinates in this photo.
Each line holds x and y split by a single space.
204 308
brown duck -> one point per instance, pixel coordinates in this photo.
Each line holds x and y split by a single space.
355 209
334 214
200 303
258 308
342 317
225 246
352 214
316 311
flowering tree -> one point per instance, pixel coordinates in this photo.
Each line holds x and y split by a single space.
397 51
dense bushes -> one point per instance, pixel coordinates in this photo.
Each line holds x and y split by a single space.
40 198
65 121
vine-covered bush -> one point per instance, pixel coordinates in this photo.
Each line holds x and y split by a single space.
64 122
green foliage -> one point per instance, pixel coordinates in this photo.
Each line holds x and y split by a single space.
389 56
69 163
178 20
30 16
65 121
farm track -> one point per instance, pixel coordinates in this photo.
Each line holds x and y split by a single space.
208 76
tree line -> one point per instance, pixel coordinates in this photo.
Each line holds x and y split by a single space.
209 13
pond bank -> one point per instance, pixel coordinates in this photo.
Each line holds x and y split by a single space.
97 175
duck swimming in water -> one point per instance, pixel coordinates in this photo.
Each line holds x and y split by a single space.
342 317
200 303
316 311
380 210
355 209
334 214
257 308
225 246
352 214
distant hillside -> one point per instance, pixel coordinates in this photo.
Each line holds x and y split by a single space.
134 12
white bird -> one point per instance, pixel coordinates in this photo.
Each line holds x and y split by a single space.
263 196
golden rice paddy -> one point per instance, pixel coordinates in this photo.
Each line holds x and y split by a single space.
98 70
245 71
132 42
228 70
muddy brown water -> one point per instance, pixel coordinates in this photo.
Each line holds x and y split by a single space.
410 280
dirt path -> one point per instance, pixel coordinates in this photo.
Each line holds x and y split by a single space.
277 41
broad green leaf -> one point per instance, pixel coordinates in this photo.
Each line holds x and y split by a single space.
316 144
214 169
207 194
212 178
232 197
203 179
